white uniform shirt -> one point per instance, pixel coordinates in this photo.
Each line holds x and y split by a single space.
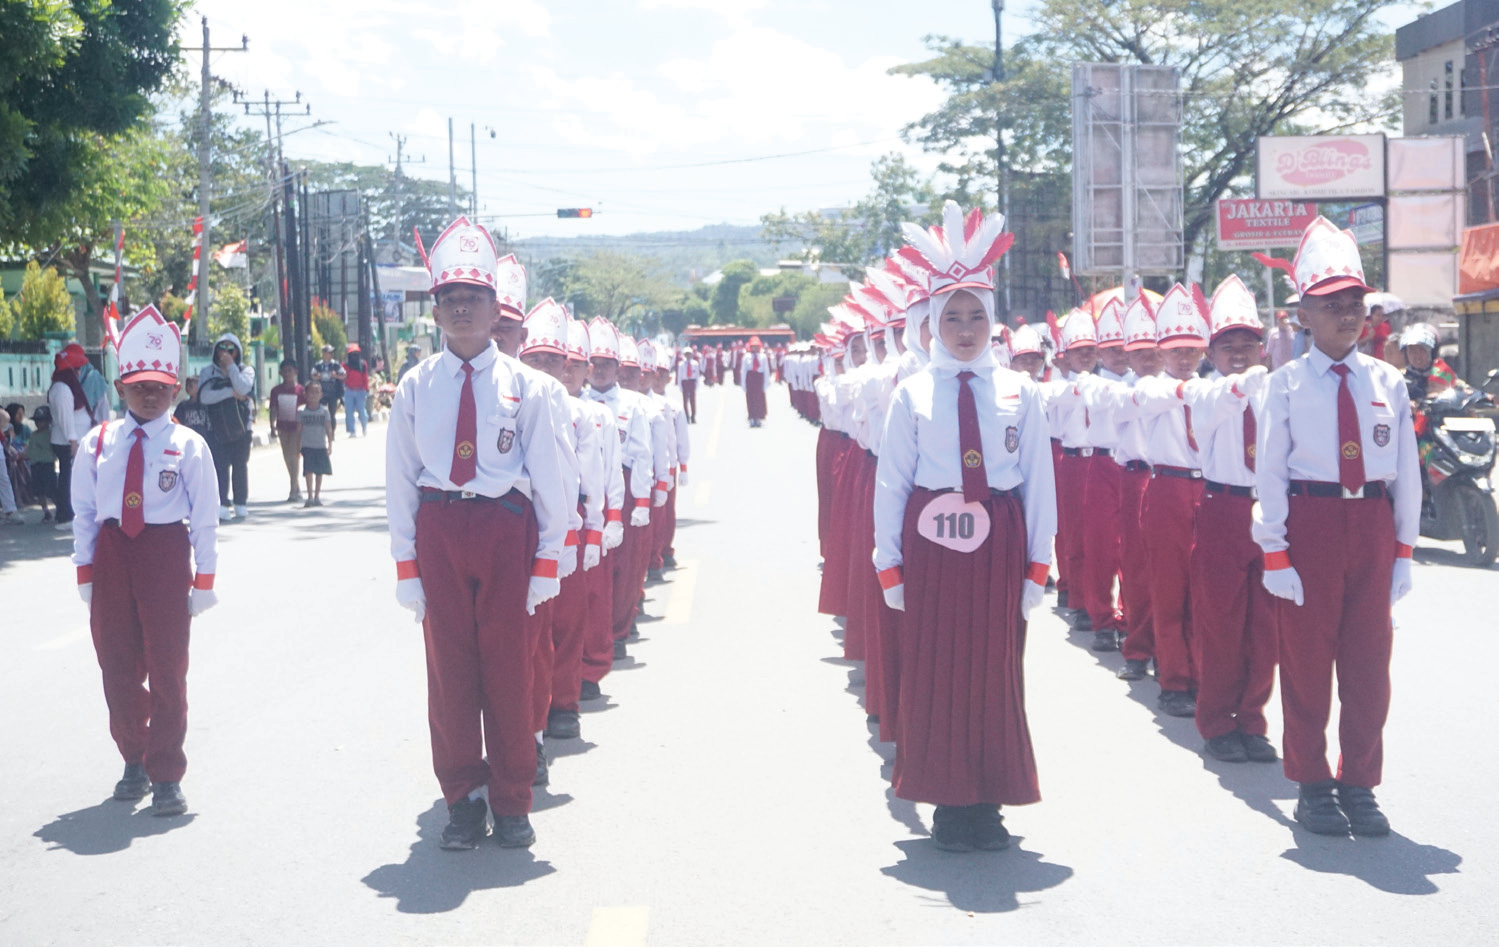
69 422
688 368
607 444
1118 399
660 433
517 421
179 483
1161 411
1298 439
1102 428
1218 424
680 442
1070 412
593 484
920 449
634 431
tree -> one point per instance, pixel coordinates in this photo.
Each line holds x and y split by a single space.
725 300
43 305
812 307
72 74
757 298
327 329
395 204
6 322
231 312
1247 70
611 284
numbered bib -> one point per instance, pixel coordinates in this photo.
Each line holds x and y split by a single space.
949 521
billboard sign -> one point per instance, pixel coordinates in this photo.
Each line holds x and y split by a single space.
1252 224
1320 167
1367 223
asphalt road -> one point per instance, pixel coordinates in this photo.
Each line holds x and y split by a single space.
727 791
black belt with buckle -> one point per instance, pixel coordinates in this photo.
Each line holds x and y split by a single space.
1373 490
1184 473
510 501
1138 466
1214 486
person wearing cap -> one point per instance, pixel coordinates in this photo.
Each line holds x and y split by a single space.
1079 340
1170 504
413 359
753 372
145 545
1425 373
610 350
689 369
71 419
225 388
477 502
1339 509
356 390
832 596
330 373
964 515
681 452
1233 619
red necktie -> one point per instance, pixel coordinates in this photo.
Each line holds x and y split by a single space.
132 509
1251 435
1350 447
971 443
465 452
1187 414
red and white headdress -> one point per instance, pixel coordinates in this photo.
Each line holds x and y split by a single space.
578 347
463 253
510 286
629 352
1026 341
1110 325
960 252
1233 307
546 328
1139 325
150 348
1078 330
1327 261
603 338
1181 320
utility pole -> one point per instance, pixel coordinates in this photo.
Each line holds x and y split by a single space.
473 160
452 173
205 175
999 145
395 221
275 177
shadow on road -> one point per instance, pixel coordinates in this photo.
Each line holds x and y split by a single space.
1394 864
106 828
981 882
431 881
1428 556
34 540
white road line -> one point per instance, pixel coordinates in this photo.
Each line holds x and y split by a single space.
701 494
61 641
683 583
618 927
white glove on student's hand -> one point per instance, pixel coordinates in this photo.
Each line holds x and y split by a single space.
658 498
895 597
640 516
409 593
200 601
614 534
682 477
1031 595
1284 583
591 556
86 592
1252 381
1400 582
541 590
567 563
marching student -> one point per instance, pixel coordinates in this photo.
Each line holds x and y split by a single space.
1102 485
478 503
1080 343
689 369
634 357
1170 505
964 516
753 369
145 543
681 451
1339 509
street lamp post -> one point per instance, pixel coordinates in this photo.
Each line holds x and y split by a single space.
999 143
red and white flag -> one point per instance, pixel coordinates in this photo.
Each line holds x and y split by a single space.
192 286
1066 267
112 311
233 255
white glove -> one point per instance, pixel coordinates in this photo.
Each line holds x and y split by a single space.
200 601
567 563
591 556
682 477
1400 582
541 590
86 592
409 592
1284 583
640 516
614 534
658 498
1252 381
895 597
1031 595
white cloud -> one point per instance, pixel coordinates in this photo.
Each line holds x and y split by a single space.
735 11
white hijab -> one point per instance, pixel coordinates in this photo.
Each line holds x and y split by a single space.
944 362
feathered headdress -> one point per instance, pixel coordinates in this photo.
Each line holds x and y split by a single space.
959 253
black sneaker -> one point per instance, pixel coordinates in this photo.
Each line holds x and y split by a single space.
134 784
1364 817
468 823
1257 747
951 829
669 561
1062 598
1106 640
1317 809
653 575
1135 669
619 650
167 799
590 691
989 833
562 724
1081 620
543 775
514 831
1177 703
1228 747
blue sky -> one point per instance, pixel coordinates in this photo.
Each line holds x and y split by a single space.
603 102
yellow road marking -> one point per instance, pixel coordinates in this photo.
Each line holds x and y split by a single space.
683 582
704 490
618 927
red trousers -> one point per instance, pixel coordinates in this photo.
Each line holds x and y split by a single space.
598 619
1170 505
140 623
1134 567
630 562
475 563
1060 541
543 654
1234 633
1072 478
1344 551
1099 527
663 527
689 398
569 630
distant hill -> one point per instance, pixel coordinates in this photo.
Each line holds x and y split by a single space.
683 254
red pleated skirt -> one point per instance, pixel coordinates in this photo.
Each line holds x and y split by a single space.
833 598
828 443
863 585
962 738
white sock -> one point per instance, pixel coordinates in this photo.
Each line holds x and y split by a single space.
477 794
539 734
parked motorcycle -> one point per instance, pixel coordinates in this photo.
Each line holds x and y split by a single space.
1457 500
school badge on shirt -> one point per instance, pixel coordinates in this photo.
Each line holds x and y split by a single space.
167 480
1382 434
507 438
1012 439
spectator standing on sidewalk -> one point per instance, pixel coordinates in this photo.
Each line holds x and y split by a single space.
413 359
224 388
286 398
315 440
8 514
43 460
356 390
330 374
70 421
190 411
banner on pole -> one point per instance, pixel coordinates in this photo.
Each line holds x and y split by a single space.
1252 224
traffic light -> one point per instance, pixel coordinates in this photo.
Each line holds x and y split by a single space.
575 212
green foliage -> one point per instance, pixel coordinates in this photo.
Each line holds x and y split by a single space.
43 305
172 307
327 329
395 204
695 311
756 297
812 307
6 322
231 312
625 288
725 300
